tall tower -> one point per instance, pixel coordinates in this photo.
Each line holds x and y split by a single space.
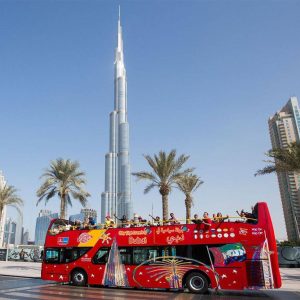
284 129
117 196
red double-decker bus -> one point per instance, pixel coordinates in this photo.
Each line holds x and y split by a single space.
231 255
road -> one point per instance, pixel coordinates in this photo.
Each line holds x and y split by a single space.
29 289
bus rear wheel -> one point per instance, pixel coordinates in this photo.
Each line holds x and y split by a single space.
197 283
79 278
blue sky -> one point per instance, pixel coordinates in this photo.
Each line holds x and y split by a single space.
203 78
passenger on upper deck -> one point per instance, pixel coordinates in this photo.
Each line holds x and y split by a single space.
219 218
109 223
85 224
206 220
92 222
125 223
67 227
156 220
196 219
173 220
135 220
142 222
77 224
248 217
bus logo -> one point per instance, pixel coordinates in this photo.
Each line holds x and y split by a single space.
62 241
84 238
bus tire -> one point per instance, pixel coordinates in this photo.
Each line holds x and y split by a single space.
79 277
197 283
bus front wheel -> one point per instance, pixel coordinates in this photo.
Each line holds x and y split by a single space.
79 278
197 283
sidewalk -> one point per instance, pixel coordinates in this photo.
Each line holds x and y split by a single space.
290 276
290 279
21 269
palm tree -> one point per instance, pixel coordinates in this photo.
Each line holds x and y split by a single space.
66 180
167 169
188 184
285 160
8 196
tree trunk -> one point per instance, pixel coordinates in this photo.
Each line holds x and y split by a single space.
62 207
165 207
1 212
188 206
1 227
165 191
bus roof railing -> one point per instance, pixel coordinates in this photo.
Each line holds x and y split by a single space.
131 223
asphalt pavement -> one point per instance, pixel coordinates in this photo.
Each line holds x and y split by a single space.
30 288
21 280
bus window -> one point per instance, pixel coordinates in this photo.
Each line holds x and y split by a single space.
101 256
52 256
76 252
199 252
125 254
168 251
153 253
141 254
64 255
182 251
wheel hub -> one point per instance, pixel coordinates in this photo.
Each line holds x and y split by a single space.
197 283
79 277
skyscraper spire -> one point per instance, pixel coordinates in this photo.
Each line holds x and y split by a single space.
117 196
119 56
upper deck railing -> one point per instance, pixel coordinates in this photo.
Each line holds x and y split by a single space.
60 225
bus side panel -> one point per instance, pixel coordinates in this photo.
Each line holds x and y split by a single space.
54 273
231 278
265 214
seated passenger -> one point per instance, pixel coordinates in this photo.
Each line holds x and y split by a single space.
109 223
92 222
77 225
135 221
196 219
219 218
254 217
54 230
156 220
60 228
67 227
142 222
206 220
251 217
242 215
173 220
125 223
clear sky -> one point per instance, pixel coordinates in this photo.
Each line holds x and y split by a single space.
203 78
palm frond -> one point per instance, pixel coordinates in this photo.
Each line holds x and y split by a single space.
284 160
63 178
9 197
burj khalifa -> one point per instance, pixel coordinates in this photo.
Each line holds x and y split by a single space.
116 200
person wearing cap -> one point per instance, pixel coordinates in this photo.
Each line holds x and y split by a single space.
135 220
109 223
